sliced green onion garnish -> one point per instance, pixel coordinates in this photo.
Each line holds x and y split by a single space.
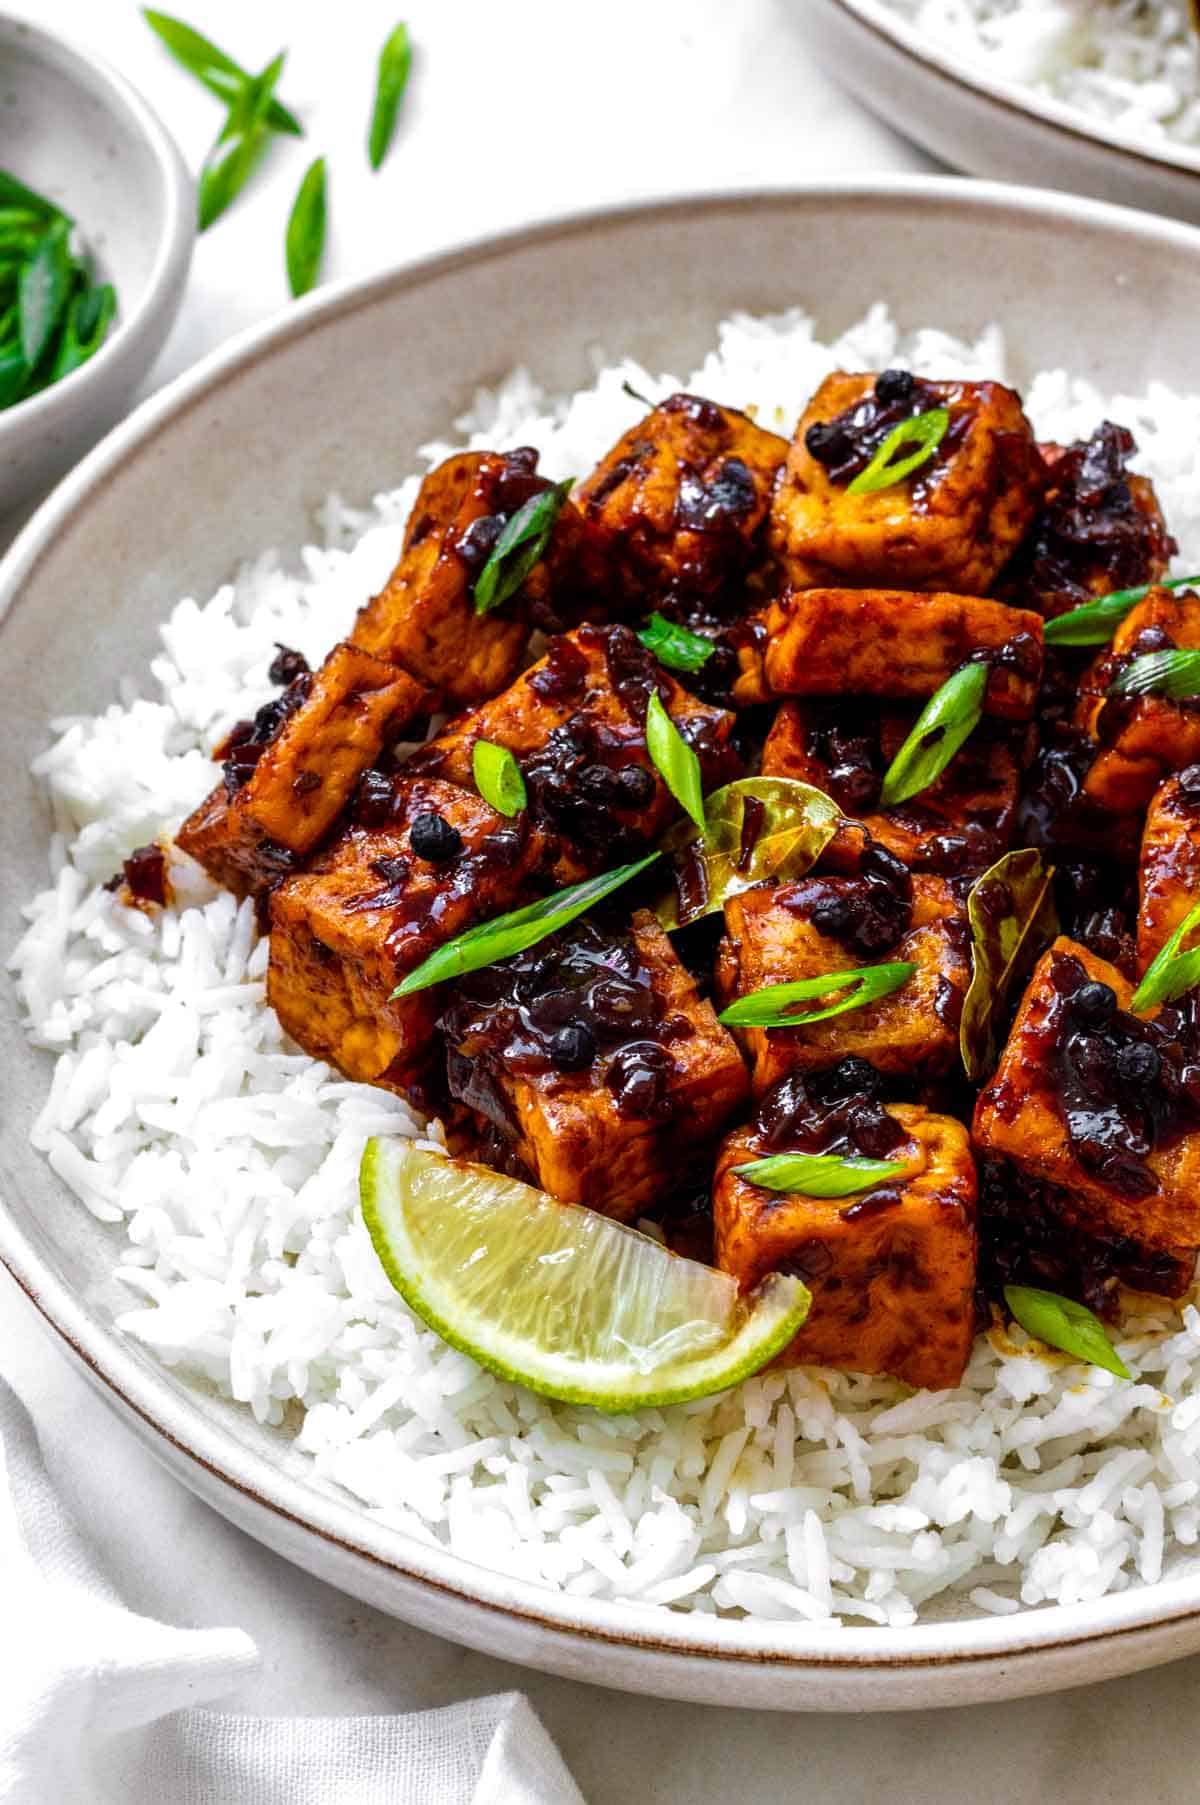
498 777
924 432
1171 972
304 241
1062 1323
818 1174
769 1008
519 547
1174 674
675 760
945 722
1094 623
395 61
512 933
676 647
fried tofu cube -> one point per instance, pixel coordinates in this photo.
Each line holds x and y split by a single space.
1140 739
894 643
891 1270
952 525
596 1059
1099 528
963 820
1169 870
677 505
1072 1102
774 936
282 795
576 723
1032 1233
425 617
371 907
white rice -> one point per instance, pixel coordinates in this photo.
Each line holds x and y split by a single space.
1133 64
225 1162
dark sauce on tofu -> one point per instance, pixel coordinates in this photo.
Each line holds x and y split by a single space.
837 1111
845 740
245 744
580 1007
1125 1087
867 912
1034 1233
1091 536
440 866
591 781
845 445
1097 905
504 484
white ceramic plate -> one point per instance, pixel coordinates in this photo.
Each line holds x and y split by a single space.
991 127
340 392
76 131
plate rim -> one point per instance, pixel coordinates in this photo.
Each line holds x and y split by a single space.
1011 96
160 1402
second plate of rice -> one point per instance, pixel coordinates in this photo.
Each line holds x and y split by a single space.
1101 98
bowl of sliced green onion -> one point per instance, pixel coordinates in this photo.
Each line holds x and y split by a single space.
96 229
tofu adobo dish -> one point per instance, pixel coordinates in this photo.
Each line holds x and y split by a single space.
790 846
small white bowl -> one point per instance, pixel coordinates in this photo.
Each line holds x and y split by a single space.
74 129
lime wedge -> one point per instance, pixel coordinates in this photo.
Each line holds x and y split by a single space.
558 1297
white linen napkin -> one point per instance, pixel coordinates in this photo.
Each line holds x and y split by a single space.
99 1706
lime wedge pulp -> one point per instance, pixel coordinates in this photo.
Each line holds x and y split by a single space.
557 1297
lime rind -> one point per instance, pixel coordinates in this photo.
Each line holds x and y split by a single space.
558 1298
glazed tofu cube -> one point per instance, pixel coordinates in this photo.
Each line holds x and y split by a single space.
893 643
1032 1233
594 1057
425 618
430 862
777 934
891 1270
677 505
1140 739
284 789
576 723
1099 528
1169 871
951 525
963 821
1092 1099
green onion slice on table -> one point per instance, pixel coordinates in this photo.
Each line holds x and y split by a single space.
304 245
395 62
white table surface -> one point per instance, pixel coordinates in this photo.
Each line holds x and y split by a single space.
516 111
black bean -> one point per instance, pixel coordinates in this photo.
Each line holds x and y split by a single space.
572 1049
1095 1004
894 385
433 838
